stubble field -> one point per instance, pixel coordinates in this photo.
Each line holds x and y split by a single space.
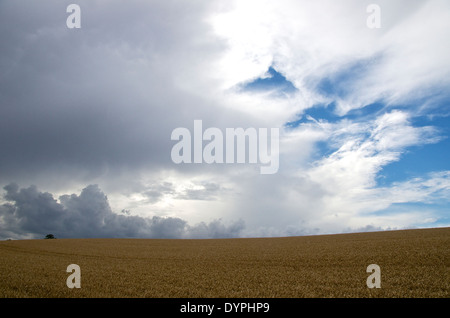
413 263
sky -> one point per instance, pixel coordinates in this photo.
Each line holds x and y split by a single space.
86 117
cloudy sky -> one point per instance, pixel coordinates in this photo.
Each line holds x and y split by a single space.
86 117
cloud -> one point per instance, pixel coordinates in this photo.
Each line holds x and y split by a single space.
205 191
30 213
309 42
92 100
362 149
97 106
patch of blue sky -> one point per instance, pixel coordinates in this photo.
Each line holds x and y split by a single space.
436 214
336 87
418 161
415 161
317 112
337 84
367 112
274 81
327 113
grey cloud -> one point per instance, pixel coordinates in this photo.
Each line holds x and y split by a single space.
201 191
155 192
99 96
30 213
208 191
216 229
368 228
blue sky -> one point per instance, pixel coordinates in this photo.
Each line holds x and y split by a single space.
414 161
272 80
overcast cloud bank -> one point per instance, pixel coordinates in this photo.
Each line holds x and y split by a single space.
33 214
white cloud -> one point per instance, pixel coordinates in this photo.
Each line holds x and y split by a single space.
307 41
364 148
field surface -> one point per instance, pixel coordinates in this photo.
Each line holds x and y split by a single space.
413 263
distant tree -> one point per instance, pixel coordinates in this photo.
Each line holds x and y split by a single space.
50 236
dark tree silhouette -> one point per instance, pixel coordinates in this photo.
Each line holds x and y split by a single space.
50 236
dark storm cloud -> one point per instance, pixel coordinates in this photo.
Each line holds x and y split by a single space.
94 97
30 213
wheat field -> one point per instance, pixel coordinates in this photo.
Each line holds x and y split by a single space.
413 263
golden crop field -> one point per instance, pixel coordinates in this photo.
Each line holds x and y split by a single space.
413 263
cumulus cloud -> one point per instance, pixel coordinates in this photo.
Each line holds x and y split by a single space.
30 213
